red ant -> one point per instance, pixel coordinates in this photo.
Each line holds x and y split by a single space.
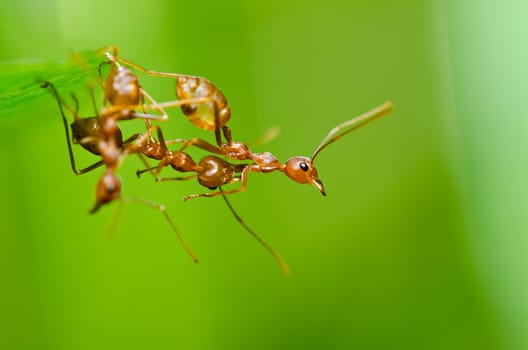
101 136
214 172
213 114
124 93
300 169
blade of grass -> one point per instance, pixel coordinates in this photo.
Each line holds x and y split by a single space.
20 80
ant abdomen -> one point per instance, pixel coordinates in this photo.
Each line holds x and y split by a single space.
86 132
122 87
214 171
202 115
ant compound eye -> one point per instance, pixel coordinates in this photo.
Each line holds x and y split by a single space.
304 166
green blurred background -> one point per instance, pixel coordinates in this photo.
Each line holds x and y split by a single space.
420 243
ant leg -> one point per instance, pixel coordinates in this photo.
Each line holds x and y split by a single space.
163 162
196 142
242 188
179 103
101 79
199 143
218 136
94 104
115 58
187 143
76 109
60 102
155 170
268 135
280 260
88 168
133 137
227 134
148 169
161 208
130 147
107 49
176 103
183 178
115 223
155 105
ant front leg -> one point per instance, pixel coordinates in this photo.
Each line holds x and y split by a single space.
101 79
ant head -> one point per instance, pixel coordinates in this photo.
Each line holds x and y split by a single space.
301 170
108 189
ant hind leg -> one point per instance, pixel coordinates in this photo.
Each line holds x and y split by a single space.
161 208
280 260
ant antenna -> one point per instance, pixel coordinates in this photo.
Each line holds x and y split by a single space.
353 124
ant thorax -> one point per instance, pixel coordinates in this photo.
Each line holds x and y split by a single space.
237 151
267 162
214 172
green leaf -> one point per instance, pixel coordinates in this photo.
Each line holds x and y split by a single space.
20 80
